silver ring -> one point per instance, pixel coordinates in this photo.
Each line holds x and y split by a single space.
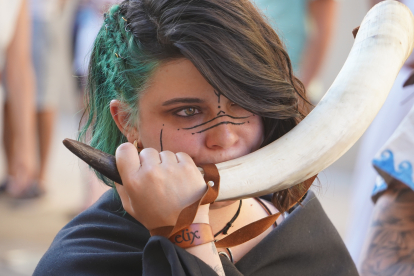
231 255
224 254
127 27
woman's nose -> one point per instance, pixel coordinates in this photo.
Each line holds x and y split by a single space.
223 135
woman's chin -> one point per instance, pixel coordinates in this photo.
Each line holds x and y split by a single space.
218 205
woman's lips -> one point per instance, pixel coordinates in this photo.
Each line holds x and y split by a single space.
215 160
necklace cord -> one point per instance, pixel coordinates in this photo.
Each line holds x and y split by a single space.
230 223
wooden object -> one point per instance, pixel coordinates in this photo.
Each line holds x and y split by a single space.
99 160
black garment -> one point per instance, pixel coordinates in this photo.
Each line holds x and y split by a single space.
105 241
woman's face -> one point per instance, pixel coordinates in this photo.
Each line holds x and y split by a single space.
181 112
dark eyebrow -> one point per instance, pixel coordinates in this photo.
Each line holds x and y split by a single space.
182 100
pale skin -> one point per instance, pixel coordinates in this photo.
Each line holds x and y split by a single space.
199 126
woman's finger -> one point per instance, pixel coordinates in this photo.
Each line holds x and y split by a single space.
168 157
127 162
183 157
187 163
149 157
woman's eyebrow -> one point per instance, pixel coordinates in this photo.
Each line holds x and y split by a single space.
182 100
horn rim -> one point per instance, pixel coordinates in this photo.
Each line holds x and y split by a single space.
247 177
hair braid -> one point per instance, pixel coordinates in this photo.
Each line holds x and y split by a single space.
113 75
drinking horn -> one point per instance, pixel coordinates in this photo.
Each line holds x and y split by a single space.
382 45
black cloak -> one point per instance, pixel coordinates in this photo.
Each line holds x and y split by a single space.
104 240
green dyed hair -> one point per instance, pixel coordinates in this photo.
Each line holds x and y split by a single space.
115 72
228 41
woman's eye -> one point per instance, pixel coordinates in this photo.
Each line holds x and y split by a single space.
189 111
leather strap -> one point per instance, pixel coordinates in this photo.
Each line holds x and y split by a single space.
256 228
247 232
188 214
211 173
242 235
193 235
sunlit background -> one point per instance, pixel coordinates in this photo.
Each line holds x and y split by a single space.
28 226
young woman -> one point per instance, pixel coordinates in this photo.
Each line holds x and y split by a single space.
190 83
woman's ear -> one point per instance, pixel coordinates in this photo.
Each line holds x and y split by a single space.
121 119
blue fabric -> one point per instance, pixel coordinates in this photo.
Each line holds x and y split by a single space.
403 172
396 158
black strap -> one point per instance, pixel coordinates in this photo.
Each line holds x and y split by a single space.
230 223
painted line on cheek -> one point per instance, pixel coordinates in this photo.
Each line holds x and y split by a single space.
161 140
218 94
236 118
222 123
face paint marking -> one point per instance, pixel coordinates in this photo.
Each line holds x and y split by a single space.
215 119
221 111
221 123
161 140
218 94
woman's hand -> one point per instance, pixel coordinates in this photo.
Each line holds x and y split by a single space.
157 186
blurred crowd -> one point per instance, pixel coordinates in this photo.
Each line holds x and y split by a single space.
44 52
46 44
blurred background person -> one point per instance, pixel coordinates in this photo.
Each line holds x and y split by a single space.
306 27
88 22
43 13
52 26
89 18
364 179
18 78
53 74
389 246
